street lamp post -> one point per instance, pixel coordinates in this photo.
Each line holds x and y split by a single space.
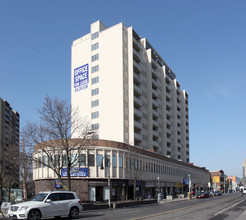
108 175
158 195
158 184
189 182
224 184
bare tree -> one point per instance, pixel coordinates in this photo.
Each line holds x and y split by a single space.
26 171
9 168
52 138
135 167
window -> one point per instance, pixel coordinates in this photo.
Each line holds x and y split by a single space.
53 197
120 162
94 46
95 91
45 160
70 196
91 160
95 69
95 80
50 161
64 160
62 196
39 162
114 160
99 160
57 160
95 114
94 57
82 160
95 126
34 163
74 159
107 161
95 35
95 103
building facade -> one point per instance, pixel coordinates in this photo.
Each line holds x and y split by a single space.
124 165
218 180
9 141
244 172
128 93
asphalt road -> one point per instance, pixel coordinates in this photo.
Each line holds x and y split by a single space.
226 207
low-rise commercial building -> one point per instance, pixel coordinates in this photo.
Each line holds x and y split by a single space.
125 166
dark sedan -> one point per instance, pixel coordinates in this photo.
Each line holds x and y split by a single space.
217 193
203 195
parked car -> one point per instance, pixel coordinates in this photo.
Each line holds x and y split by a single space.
244 191
218 193
48 204
211 194
203 195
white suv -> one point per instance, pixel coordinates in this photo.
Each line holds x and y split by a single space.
48 204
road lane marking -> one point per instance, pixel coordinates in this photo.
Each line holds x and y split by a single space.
176 210
225 209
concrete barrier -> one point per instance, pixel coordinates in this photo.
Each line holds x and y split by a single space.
119 204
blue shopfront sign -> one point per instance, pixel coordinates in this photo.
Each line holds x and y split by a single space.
185 181
75 172
81 78
58 184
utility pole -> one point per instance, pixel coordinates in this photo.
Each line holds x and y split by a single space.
108 174
24 171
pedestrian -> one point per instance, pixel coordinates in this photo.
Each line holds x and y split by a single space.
242 192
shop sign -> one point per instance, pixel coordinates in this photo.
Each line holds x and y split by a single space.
149 184
75 172
58 184
178 185
170 185
216 179
81 78
185 181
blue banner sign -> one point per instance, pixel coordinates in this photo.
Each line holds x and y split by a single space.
58 184
185 181
75 172
81 78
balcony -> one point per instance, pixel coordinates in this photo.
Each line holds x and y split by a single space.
154 84
178 105
136 45
137 113
154 93
137 126
137 136
137 102
155 144
169 140
136 57
154 75
154 102
155 123
168 104
155 133
137 79
136 67
137 90
155 114
168 95
154 66
154 105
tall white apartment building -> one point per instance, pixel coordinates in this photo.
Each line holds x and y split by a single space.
127 91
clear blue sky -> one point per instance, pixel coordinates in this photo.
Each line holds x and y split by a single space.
204 42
